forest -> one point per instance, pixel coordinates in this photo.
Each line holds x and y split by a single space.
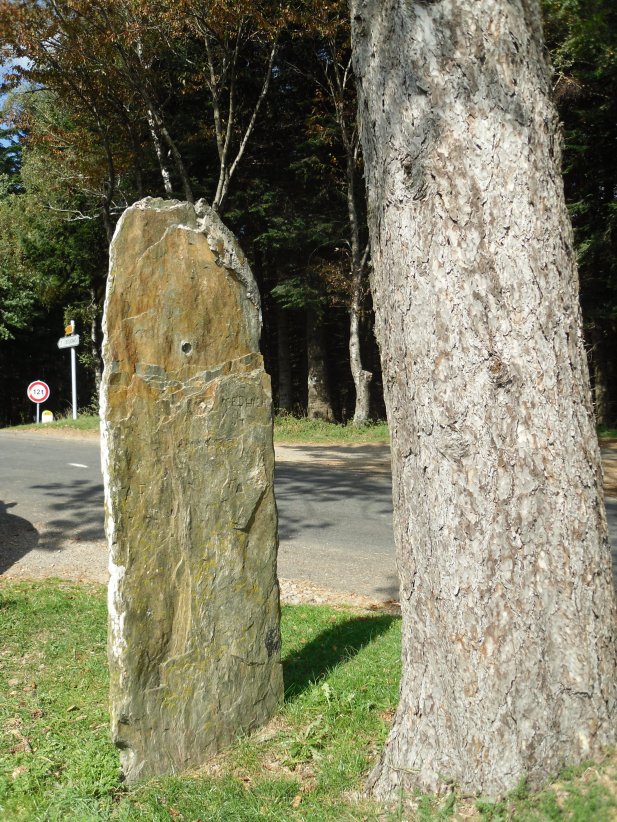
251 105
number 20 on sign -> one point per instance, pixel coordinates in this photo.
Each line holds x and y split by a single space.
38 392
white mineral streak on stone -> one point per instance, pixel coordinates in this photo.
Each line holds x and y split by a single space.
117 641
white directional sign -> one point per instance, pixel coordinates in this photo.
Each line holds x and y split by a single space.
69 342
38 391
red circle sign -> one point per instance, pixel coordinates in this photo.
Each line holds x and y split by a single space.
38 391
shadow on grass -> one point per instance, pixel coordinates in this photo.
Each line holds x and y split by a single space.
301 668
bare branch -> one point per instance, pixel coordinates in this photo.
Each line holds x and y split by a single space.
251 125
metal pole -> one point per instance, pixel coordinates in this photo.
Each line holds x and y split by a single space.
74 375
38 412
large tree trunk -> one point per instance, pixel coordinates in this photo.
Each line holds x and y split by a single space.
160 155
509 614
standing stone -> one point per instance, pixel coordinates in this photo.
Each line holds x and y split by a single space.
191 520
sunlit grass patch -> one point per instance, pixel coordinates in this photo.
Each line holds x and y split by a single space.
301 429
56 761
84 422
308 764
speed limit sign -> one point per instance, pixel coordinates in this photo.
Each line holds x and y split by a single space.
38 391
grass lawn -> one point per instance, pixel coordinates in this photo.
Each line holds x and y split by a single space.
84 422
291 429
286 429
341 679
301 429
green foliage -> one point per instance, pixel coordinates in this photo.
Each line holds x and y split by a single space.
17 299
18 283
53 259
297 293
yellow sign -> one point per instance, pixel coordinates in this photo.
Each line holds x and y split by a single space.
69 329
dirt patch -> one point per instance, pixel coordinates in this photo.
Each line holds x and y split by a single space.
609 465
56 433
35 551
61 563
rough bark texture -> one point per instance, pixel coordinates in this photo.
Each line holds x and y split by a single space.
190 515
509 651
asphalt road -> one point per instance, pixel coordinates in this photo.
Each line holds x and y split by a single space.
335 514
335 522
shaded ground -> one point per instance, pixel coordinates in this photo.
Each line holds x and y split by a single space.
335 525
70 544
609 464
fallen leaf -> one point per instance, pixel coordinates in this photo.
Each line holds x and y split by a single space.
37 713
19 771
296 800
72 708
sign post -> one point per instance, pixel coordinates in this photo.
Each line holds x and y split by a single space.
38 392
71 340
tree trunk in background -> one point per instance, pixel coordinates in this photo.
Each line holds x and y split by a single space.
284 364
361 377
509 613
603 374
319 406
160 155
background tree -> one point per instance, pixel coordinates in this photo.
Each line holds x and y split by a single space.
250 105
583 41
334 118
509 612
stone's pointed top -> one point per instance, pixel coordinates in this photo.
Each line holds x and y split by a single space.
203 218
195 302
223 243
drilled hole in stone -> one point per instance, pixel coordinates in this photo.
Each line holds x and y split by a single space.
186 347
